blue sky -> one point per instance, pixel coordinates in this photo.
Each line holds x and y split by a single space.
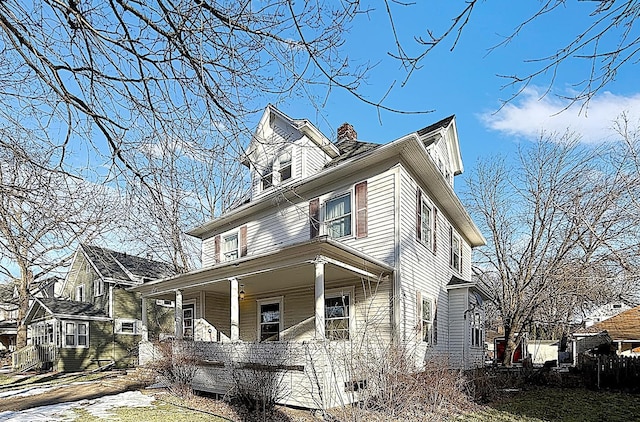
464 82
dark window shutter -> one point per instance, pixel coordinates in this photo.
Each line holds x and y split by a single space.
418 215
434 330
314 218
361 209
450 246
419 313
435 229
216 248
243 240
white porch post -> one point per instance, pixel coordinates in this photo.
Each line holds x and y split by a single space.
319 293
145 330
179 316
235 310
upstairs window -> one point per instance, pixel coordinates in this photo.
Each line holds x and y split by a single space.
426 218
267 180
338 216
284 162
98 287
336 317
230 247
456 251
80 293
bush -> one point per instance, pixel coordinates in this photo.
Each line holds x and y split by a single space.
177 365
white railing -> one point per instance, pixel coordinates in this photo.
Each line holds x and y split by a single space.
33 357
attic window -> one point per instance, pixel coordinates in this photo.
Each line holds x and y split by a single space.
285 166
267 180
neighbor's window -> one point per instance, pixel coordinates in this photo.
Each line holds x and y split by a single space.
456 251
76 334
338 216
230 247
98 287
80 293
336 317
426 223
269 321
127 326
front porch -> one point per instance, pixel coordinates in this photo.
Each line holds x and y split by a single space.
291 319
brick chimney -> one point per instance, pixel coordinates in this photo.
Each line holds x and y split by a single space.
346 132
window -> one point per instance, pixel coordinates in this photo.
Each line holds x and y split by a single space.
76 334
269 319
80 293
285 166
128 326
166 303
425 224
427 313
336 317
230 247
476 330
98 287
456 251
338 216
267 180
188 315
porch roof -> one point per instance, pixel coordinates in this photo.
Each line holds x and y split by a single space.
65 309
289 267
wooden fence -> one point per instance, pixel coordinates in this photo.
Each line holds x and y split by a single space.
618 372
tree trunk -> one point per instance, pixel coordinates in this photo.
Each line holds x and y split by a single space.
23 307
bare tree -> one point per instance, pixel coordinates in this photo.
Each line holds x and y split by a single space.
562 233
43 214
606 42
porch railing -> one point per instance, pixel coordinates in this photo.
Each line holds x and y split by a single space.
33 357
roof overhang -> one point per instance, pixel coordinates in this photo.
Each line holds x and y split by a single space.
289 267
409 149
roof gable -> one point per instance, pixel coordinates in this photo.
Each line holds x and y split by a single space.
125 267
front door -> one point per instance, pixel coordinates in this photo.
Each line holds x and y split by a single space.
188 314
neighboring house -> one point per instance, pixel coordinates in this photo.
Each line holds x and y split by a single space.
9 309
604 312
8 318
93 320
622 330
342 245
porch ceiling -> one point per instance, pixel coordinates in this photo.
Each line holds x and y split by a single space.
290 267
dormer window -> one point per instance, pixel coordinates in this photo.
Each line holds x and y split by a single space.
284 162
277 171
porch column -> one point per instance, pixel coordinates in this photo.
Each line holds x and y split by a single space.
145 330
319 290
235 310
179 316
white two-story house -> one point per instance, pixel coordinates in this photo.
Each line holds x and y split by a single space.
344 247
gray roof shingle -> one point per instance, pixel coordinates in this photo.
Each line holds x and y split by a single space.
121 266
71 307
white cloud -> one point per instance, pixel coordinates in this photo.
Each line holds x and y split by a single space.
530 114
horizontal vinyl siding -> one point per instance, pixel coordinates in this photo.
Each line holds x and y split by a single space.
457 326
422 269
218 312
99 353
126 304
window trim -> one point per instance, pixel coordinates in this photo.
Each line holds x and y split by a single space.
333 293
325 221
76 334
269 301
